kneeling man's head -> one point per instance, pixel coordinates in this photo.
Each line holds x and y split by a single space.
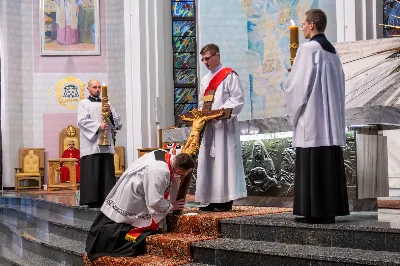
183 164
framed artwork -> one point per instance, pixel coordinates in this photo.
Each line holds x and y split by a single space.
69 27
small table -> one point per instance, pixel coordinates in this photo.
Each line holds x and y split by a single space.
54 166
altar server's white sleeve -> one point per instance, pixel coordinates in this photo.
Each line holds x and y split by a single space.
116 117
299 82
236 99
155 184
87 125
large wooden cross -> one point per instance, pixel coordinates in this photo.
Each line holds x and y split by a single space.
198 120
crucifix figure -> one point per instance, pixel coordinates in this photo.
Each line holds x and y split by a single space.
198 119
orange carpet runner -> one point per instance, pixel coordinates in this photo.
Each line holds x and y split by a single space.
173 247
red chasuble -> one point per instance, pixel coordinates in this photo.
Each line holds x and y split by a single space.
64 171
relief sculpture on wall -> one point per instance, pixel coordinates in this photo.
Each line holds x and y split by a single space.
269 166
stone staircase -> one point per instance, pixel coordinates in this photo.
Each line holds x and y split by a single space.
35 232
359 239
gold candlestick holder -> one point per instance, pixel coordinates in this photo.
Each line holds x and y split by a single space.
105 112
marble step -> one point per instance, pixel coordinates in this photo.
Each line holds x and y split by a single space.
78 212
359 230
25 235
226 251
11 254
48 221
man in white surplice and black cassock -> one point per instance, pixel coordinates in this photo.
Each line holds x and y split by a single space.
138 205
220 173
97 162
315 100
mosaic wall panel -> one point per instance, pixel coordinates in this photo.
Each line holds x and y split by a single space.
269 166
391 16
184 28
185 76
184 60
184 44
183 9
185 95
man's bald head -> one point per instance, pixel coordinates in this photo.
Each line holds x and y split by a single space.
94 87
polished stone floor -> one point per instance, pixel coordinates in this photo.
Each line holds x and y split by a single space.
70 198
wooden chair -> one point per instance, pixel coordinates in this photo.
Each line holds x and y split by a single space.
66 135
119 160
30 167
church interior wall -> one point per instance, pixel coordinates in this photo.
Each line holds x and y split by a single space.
33 115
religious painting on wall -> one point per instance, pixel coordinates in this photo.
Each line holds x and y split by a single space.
69 27
391 18
253 36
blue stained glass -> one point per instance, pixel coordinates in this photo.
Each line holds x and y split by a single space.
185 76
183 28
183 9
185 95
182 109
391 17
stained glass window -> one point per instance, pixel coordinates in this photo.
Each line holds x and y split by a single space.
181 109
391 17
183 9
185 95
185 56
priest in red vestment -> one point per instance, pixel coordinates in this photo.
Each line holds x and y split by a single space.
71 152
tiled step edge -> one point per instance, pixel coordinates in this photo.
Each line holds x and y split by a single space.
11 254
49 224
336 235
65 210
45 249
225 251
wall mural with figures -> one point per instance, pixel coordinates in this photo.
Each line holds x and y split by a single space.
269 166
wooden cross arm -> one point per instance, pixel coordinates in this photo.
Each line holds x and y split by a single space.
227 113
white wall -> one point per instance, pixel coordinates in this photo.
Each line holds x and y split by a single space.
149 80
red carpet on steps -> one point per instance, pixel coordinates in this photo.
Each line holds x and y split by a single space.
173 247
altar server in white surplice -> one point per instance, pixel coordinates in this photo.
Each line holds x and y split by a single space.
315 100
220 173
137 205
97 162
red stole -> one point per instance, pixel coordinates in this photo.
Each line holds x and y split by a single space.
218 78
136 232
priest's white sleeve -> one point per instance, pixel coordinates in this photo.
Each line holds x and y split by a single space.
87 125
299 83
236 99
155 184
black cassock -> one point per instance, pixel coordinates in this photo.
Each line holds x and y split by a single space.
98 178
320 188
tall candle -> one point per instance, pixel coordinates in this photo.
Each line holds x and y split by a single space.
294 42
104 91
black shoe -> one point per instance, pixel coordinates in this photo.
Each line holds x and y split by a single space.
218 207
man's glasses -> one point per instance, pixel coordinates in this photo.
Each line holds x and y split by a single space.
207 58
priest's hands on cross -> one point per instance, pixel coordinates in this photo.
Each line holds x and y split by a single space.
178 205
